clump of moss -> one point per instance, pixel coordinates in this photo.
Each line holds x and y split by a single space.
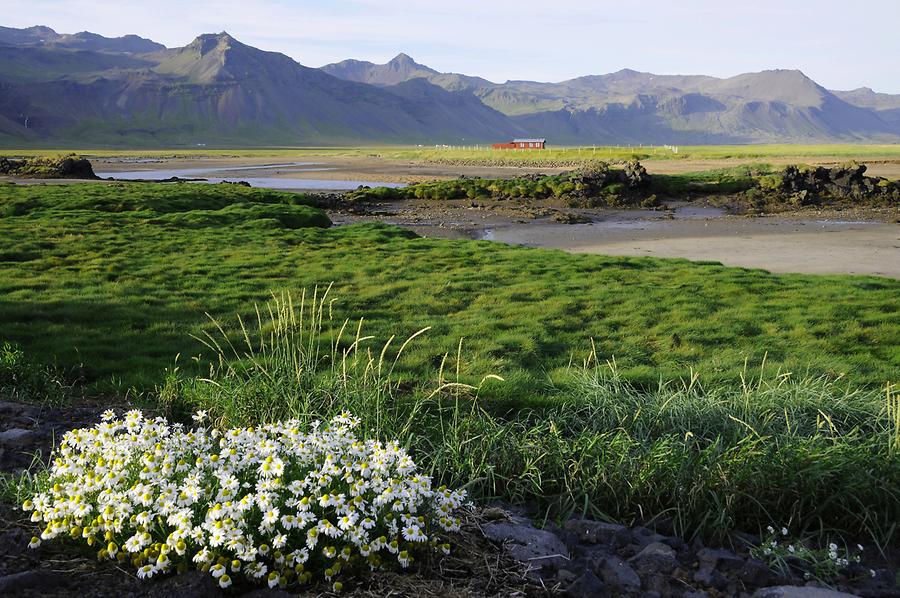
69 166
591 186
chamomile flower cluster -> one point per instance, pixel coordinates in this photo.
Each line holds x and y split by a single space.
781 553
274 504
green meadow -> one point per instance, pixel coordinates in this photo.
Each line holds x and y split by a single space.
116 279
620 387
800 153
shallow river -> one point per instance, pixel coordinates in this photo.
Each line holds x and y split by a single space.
218 175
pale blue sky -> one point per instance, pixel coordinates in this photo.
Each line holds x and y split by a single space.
840 44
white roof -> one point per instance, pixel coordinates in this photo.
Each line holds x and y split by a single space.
529 141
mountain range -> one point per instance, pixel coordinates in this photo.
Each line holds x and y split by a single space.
78 89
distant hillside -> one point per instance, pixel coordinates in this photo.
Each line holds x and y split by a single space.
401 68
58 89
885 105
631 106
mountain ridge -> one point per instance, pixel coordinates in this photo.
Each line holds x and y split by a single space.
84 88
40 35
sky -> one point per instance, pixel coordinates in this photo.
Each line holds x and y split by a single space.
839 44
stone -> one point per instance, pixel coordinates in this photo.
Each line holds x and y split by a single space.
800 592
9 409
590 556
724 560
569 218
755 573
711 578
635 175
33 581
14 542
618 573
598 532
267 593
585 586
535 547
656 557
16 436
192 583
643 536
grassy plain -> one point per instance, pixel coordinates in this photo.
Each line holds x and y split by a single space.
117 278
111 282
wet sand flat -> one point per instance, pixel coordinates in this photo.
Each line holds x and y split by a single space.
773 244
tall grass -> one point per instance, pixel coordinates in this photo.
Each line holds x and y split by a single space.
22 379
801 450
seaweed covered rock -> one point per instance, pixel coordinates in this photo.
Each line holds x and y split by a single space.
589 182
634 175
70 166
594 186
804 185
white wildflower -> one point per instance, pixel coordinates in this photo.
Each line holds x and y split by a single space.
244 501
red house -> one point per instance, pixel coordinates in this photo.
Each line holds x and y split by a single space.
525 144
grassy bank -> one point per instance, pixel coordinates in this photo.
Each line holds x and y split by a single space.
114 280
804 452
